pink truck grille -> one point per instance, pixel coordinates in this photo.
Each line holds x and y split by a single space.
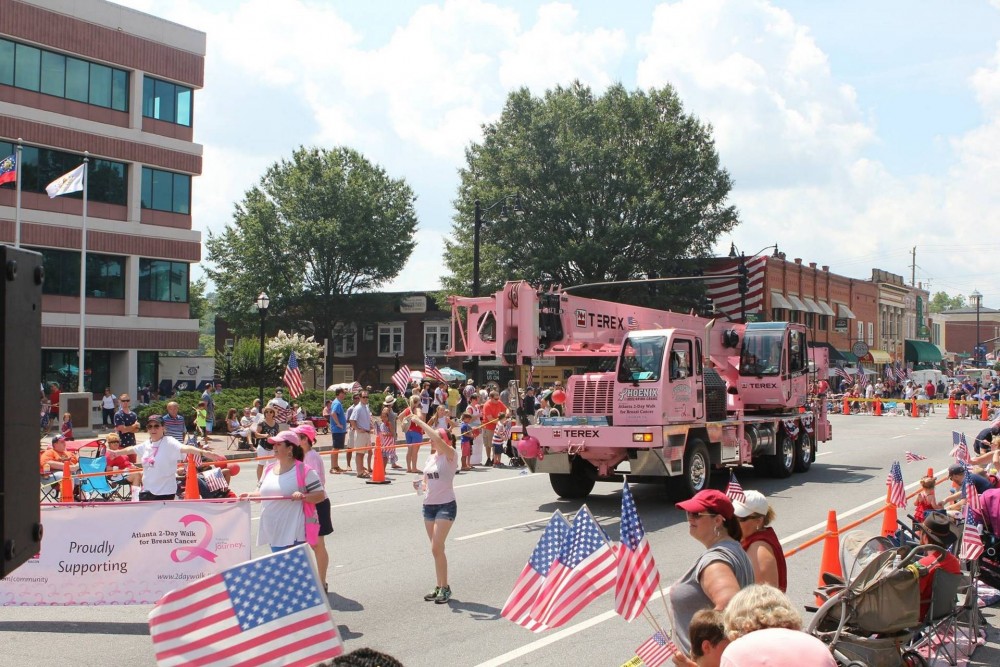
592 397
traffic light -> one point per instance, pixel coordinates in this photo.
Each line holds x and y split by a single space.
743 281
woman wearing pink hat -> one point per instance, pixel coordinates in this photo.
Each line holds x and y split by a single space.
719 573
313 461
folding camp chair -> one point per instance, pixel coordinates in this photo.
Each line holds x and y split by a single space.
96 488
49 488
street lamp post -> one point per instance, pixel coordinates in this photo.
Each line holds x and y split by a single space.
229 365
263 301
977 299
743 279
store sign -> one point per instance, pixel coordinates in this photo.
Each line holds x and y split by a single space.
538 362
840 324
413 304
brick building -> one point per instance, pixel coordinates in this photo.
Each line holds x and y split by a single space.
91 77
959 330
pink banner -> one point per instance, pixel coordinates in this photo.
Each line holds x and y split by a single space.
128 553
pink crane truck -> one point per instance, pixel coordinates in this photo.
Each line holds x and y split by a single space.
688 394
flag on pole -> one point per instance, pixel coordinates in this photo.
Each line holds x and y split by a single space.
529 582
862 377
897 491
961 449
271 610
401 378
356 387
912 457
656 650
843 374
734 490
69 182
8 169
293 377
971 494
431 371
972 541
637 574
889 375
584 569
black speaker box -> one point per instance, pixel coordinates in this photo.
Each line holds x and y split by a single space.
20 370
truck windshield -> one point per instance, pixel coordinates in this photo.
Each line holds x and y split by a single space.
641 359
761 353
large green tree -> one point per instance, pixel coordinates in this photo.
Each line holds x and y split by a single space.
943 301
316 228
614 187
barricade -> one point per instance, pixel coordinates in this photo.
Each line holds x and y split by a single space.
952 410
66 485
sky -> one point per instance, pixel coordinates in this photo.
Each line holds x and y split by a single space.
854 131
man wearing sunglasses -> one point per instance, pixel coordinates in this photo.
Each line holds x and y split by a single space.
126 421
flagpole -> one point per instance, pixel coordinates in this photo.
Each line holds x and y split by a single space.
326 356
17 197
83 277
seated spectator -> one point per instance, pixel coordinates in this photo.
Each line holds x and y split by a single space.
956 474
935 530
777 647
116 461
52 461
232 423
759 606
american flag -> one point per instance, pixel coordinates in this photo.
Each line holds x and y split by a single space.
971 493
961 449
530 381
215 479
842 372
529 582
911 457
734 490
431 371
356 387
897 491
386 438
656 650
972 541
584 569
637 573
862 377
889 375
267 611
293 378
633 323
901 372
401 378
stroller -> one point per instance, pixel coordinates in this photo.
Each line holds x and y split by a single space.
873 617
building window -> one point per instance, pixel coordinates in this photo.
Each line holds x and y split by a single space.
822 323
345 341
390 339
148 369
871 334
107 181
62 272
793 316
105 276
778 315
166 191
436 338
808 317
861 331
166 101
60 366
163 280
55 74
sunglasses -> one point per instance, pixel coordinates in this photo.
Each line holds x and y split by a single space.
154 425
698 515
741 519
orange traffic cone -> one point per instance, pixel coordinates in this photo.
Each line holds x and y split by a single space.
378 465
984 412
889 524
847 407
930 472
831 552
914 410
191 483
878 408
952 411
66 485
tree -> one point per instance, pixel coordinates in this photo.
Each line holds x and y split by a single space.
941 301
317 228
615 187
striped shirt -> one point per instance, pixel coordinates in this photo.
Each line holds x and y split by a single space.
175 427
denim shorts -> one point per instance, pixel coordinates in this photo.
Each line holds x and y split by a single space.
414 438
443 512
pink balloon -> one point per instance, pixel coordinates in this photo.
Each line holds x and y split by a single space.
528 447
234 468
559 397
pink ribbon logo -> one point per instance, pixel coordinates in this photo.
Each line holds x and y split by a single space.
199 550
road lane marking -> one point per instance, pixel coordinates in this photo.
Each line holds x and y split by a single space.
410 495
897 437
604 522
823 454
601 618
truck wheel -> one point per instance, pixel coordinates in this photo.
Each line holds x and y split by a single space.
805 452
697 472
782 462
574 486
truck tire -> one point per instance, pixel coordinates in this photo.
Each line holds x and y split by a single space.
782 463
573 486
805 452
697 472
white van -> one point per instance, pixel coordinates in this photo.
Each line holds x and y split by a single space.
922 376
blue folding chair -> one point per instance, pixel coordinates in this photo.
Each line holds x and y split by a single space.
96 488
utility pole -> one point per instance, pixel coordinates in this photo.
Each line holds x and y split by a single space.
913 268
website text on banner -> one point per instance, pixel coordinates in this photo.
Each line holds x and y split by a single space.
128 553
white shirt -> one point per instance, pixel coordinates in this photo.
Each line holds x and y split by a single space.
159 461
108 402
283 522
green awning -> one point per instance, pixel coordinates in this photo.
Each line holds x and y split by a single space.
849 356
920 351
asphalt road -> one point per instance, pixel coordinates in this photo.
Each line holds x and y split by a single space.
381 566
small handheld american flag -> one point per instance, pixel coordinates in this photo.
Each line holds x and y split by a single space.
656 650
734 490
401 378
293 377
897 491
912 457
430 369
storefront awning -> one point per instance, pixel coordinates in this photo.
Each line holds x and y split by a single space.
844 311
944 352
879 356
778 301
796 304
920 351
831 351
825 307
850 357
811 305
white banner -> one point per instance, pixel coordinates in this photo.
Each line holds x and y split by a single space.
128 553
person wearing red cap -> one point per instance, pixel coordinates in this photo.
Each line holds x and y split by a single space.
719 573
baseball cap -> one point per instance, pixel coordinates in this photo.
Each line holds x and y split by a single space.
154 418
307 430
755 503
956 469
58 438
291 437
709 500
